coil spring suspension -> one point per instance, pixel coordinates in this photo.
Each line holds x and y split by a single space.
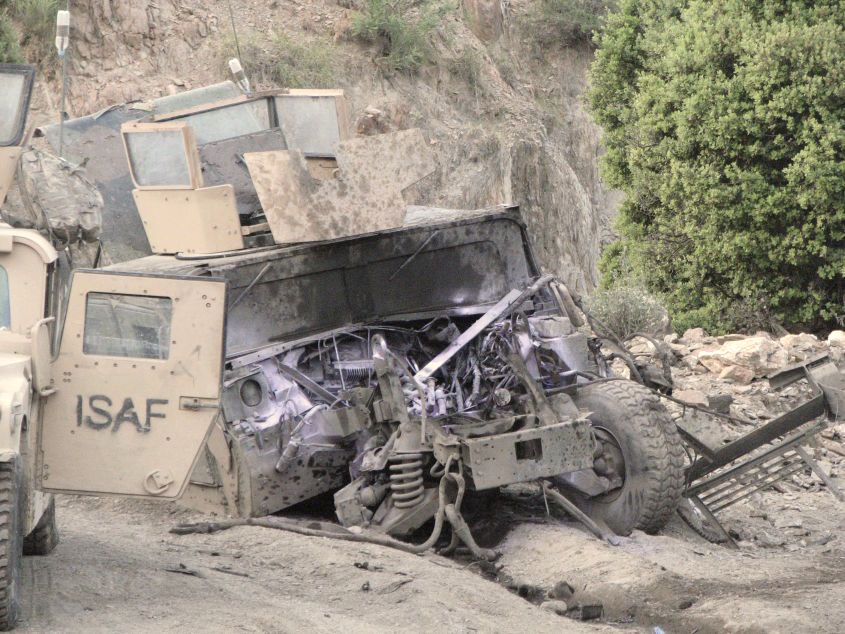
406 479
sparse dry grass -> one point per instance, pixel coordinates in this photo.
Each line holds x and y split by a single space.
628 308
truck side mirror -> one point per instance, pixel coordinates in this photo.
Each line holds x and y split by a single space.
42 373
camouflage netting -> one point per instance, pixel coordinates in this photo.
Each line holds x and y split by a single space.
54 197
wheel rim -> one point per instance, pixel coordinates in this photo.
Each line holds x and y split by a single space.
609 461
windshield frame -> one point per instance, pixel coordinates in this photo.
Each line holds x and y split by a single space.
28 73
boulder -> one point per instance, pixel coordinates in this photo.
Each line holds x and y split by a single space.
733 337
557 607
641 345
694 335
679 349
691 361
759 355
620 369
836 339
562 591
800 346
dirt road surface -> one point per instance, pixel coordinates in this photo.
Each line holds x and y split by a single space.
110 573
113 571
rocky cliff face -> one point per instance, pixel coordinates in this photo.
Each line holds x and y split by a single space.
506 119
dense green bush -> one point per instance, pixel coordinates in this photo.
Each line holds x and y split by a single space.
10 52
401 28
723 123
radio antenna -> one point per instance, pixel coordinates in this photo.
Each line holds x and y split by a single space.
62 43
234 30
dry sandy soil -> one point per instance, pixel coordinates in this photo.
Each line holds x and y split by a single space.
110 572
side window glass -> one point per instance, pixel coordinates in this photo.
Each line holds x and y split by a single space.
158 159
127 325
229 121
5 307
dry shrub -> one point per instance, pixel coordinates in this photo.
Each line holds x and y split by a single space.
628 308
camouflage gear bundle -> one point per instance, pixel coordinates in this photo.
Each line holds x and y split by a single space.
53 195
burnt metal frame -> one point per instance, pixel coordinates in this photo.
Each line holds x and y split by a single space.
713 494
756 474
784 424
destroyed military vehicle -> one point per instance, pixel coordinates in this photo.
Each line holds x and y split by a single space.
273 324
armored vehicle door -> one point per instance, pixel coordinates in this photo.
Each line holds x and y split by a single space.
137 381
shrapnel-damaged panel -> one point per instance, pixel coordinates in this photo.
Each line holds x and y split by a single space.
529 454
365 195
314 469
190 221
138 376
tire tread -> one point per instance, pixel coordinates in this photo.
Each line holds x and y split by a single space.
651 423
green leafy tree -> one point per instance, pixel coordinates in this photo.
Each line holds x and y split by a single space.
723 124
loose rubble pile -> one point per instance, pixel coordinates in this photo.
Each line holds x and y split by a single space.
727 374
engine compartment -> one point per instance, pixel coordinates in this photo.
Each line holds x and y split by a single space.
379 412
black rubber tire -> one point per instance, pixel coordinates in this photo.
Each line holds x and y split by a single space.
45 536
10 544
652 451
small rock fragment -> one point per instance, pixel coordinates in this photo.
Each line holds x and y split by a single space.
767 540
692 397
721 403
737 374
558 607
562 591
691 361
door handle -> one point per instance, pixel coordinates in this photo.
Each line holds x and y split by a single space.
194 403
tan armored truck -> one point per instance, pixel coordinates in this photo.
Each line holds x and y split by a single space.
294 329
